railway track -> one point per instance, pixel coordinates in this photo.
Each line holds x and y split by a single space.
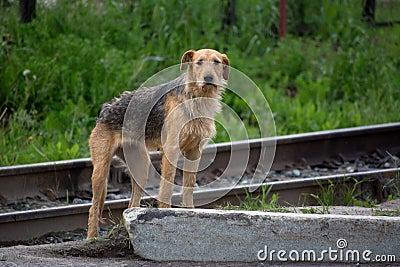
71 178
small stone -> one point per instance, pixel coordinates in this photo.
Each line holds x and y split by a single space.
387 165
113 196
296 173
77 201
288 174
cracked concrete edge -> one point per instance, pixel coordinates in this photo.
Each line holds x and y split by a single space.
248 236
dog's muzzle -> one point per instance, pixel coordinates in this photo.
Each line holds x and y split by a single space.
209 81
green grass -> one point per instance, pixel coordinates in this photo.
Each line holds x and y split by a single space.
262 200
345 193
56 71
348 192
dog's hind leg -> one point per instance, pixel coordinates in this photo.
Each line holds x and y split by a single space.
190 166
101 144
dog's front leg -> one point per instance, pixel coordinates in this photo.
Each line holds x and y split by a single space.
168 170
138 164
190 166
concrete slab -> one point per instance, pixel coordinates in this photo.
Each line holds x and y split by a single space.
253 236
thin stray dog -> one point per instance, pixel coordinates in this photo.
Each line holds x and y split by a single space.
180 119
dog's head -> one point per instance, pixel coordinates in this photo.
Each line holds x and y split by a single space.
208 68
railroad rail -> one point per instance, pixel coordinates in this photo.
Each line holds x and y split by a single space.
59 178
72 176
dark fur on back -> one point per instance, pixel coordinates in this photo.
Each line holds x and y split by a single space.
112 113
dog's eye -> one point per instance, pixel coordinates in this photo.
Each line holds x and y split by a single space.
199 62
216 62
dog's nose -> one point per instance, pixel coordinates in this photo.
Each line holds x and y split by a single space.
208 78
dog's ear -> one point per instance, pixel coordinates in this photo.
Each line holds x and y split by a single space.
225 61
187 57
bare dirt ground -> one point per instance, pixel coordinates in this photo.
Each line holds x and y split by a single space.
116 251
